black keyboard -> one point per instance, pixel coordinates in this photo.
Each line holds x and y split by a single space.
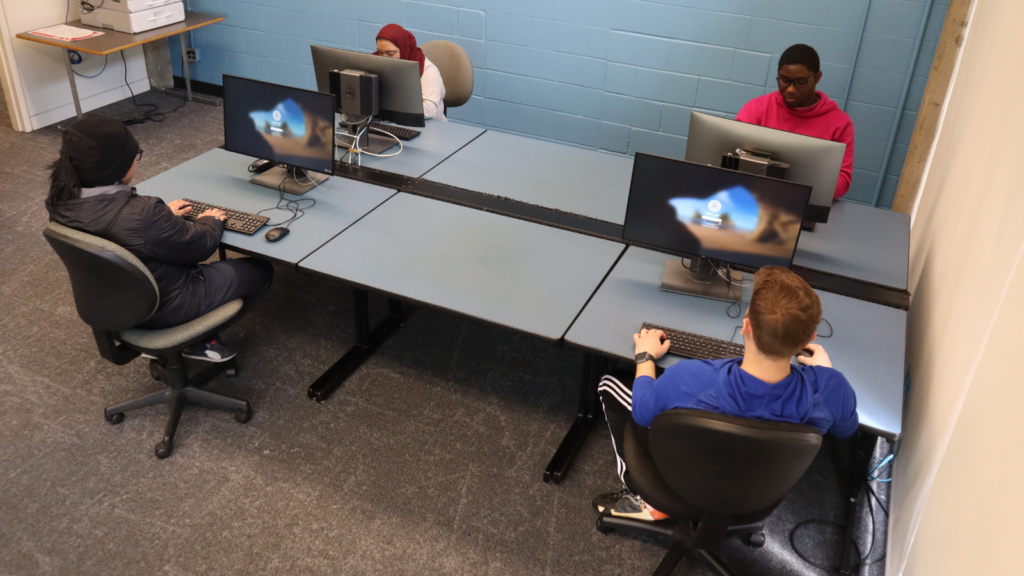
690 345
237 220
396 131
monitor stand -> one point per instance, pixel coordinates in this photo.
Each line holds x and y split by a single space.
284 179
704 282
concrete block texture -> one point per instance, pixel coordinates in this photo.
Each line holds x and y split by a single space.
607 74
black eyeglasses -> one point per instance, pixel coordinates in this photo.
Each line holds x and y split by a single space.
139 155
799 82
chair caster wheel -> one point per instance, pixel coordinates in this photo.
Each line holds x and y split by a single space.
602 528
114 418
243 417
163 450
756 540
231 372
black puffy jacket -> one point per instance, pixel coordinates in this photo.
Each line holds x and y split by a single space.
167 244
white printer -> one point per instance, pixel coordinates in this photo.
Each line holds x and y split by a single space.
132 16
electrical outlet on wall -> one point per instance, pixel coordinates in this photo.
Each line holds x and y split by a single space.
192 54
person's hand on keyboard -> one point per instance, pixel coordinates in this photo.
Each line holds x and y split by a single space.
820 357
218 214
654 342
179 207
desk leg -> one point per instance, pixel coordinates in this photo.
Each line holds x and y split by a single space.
862 461
184 68
367 341
577 434
71 79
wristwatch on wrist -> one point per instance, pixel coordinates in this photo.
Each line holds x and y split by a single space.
644 357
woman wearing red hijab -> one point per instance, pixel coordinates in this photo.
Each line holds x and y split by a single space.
393 41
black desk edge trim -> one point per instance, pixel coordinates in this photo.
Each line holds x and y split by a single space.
445 159
859 289
485 202
354 222
594 293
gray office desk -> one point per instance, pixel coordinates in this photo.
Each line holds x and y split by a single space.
859 242
518 274
586 182
867 344
220 177
438 141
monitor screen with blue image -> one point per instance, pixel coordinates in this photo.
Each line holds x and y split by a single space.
735 218
289 126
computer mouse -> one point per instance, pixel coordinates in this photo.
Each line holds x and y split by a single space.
277 233
805 352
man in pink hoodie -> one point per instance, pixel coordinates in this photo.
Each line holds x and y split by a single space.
797 107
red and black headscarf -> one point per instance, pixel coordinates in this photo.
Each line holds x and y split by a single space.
405 42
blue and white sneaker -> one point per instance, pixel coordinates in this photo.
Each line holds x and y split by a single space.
215 350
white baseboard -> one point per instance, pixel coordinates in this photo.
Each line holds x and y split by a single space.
93 102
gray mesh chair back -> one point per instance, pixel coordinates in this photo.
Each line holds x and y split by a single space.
456 70
113 289
730 465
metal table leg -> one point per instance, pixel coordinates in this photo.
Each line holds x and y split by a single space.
862 462
367 341
71 79
593 367
184 68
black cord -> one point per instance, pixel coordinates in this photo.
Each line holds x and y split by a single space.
87 7
831 330
792 544
294 206
879 500
153 115
871 492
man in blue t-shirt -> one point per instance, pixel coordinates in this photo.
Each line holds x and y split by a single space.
781 320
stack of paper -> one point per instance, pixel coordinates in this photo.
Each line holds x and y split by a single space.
65 33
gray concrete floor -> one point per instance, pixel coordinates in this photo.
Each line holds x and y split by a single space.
427 461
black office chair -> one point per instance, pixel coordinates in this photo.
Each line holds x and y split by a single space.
714 475
114 292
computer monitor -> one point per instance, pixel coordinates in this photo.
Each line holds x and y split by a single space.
291 127
399 91
718 218
812 161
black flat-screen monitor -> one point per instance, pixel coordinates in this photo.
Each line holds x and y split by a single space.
288 126
400 94
688 209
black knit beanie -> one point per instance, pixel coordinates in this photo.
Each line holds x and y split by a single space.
100 149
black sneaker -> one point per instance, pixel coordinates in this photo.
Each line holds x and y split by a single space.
215 350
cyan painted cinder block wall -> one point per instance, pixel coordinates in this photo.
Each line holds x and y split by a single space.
619 75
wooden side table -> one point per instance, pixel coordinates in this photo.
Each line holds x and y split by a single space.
112 41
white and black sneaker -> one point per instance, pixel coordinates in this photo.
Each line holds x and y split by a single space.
215 350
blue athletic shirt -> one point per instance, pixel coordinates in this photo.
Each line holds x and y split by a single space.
813 395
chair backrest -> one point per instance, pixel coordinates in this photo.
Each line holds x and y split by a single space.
113 289
730 465
456 70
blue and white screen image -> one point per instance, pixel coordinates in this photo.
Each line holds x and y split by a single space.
285 120
731 209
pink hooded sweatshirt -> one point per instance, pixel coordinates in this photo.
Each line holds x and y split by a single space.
823 120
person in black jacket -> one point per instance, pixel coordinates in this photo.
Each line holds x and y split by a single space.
89 191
